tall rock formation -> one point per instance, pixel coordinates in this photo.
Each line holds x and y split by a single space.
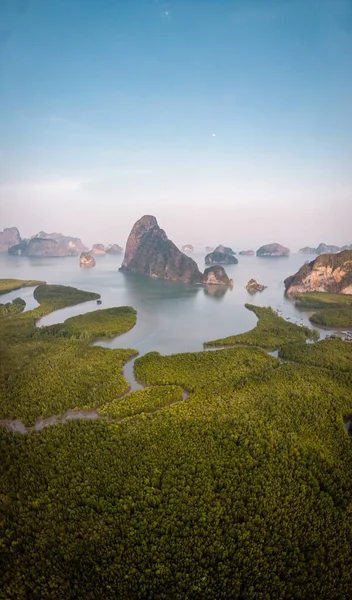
9 237
273 250
327 273
150 252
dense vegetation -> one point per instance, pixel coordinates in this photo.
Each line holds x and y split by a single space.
106 323
244 494
11 308
244 491
8 285
210 371
327 354
333 317
337 308
42 375
60 296
46 377
323 300
271 332
147 400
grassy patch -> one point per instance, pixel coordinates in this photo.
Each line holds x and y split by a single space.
142 401
323 300
8 285
60 296
336 308
333 317
271 332
106 323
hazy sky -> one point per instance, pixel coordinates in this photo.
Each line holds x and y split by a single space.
229 120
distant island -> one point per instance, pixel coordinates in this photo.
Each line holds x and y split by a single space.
51 245
273 250
220 258
150 252
327 273
98 249
188 248
247 253
114 249
48 244
324 249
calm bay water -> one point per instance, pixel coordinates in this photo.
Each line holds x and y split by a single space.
172 317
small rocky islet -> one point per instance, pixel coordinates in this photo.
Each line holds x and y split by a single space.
86 260
253 286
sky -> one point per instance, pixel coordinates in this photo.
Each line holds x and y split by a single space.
229 120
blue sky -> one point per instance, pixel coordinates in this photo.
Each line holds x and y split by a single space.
230 120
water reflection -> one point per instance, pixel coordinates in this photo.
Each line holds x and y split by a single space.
217 292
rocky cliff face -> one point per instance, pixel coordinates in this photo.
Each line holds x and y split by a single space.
98 249
9 237
150 252
327 273
273 250
114 249
216 275
86 260
220 258
48 244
